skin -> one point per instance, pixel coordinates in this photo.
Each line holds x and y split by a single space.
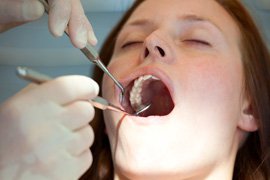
199 139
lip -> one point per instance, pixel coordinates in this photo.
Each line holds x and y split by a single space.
148 70
150 120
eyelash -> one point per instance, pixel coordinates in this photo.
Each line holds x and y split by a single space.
198 41
130 43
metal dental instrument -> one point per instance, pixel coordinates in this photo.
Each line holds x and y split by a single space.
142 109
36 77
91 54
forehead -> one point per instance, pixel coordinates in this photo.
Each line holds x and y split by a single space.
161 11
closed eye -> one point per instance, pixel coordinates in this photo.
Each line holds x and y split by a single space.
197 41
131 43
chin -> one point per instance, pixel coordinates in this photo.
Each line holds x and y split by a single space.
147 167
142 146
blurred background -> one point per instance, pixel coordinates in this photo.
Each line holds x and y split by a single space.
31 44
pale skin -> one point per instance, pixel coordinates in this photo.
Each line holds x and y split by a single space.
202 68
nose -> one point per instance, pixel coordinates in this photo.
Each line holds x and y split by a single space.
156 48
158 51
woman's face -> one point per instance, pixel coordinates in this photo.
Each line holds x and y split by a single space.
191 48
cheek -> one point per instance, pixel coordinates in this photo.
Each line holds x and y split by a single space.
213 81
212 78
119 67
210 100
124 61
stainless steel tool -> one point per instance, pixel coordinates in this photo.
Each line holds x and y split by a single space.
98 102
90 52
36 77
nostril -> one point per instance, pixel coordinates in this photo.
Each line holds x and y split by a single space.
146 52
161 51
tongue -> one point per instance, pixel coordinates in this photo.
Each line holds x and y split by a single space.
154 92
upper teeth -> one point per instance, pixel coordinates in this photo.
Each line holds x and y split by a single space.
135 93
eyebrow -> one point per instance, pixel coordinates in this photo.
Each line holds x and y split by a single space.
186 18
195 18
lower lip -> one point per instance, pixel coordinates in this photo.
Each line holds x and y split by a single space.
150 120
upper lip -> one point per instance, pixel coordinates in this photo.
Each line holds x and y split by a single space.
148 70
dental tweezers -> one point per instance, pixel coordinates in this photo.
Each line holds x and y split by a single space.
36 77
90 52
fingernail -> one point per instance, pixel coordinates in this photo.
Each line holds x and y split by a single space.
82 38
92 38
32 10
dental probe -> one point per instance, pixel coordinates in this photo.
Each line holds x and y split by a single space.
36 77
90 52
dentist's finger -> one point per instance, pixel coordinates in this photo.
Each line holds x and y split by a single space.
18 11
59 15
84 162
80 29
62 165
77 115
81 141
66 89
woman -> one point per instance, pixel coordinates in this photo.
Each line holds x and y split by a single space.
210 65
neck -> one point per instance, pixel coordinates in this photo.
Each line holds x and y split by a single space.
220 174
220 171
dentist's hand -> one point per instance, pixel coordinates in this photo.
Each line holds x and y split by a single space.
45 132
62 12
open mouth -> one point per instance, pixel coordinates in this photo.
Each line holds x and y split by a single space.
145 90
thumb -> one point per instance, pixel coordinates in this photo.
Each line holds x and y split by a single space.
12 11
